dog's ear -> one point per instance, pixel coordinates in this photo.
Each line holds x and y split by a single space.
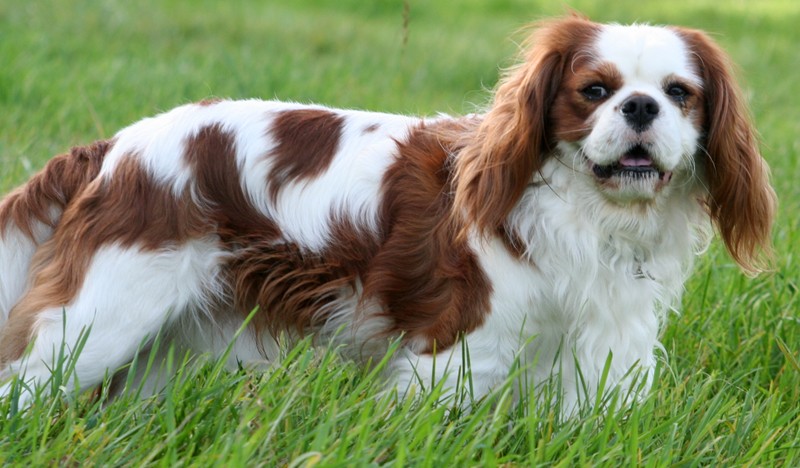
512 139
741 201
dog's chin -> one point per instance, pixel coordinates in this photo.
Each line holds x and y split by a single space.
635 176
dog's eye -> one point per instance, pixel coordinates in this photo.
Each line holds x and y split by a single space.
595 92
677 92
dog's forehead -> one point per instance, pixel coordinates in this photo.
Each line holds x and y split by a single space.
644 52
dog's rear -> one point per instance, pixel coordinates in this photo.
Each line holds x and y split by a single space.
27 219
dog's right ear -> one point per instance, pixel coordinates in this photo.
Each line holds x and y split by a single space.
512 139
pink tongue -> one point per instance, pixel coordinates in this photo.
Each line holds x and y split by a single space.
629 160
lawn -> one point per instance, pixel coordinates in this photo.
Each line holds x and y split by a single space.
727 394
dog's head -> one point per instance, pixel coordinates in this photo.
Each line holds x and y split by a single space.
631 107
635 111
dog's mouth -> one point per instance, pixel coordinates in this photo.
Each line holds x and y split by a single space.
636 163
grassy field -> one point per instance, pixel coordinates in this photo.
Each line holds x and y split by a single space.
72 72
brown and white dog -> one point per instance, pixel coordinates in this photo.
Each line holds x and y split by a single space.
555 228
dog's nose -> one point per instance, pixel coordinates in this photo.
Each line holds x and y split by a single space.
639 111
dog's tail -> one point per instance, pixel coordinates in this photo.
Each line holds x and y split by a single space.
29 214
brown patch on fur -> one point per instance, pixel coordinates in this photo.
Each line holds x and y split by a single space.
571 109
370 128
62 178
307 140
742 201
211 154
427 279
297 289
209 101
128 208
509 145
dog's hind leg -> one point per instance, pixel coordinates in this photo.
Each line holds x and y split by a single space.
126 296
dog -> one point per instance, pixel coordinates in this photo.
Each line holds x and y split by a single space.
554 230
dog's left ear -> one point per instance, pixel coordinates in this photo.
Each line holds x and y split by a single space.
509 144
741 200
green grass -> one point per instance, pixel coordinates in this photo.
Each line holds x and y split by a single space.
72 72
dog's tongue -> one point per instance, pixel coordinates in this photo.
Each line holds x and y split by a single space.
635 160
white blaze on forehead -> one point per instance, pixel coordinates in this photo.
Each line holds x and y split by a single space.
648 53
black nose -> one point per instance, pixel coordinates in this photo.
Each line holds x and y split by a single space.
639 111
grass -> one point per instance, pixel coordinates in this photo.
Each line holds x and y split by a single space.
73 72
